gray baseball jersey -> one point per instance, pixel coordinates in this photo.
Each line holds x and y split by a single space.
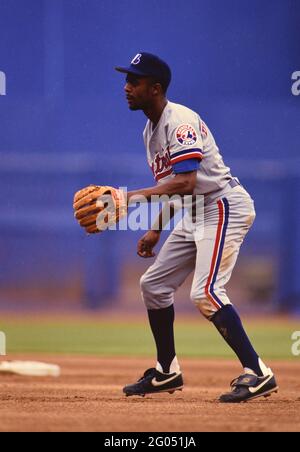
182 142
179 138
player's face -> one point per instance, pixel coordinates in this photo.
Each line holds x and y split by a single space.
139 92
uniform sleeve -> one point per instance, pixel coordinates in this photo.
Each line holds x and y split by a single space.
185 147
186 166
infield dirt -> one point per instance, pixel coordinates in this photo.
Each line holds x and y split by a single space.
88 397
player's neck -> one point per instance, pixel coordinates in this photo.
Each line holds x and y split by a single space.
155 111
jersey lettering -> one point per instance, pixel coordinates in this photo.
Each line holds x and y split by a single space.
161 163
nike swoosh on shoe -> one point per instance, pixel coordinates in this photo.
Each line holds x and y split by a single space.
156 383
257 388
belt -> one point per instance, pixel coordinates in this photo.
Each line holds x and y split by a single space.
234 183
211 197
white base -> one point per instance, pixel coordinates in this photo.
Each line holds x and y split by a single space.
30 369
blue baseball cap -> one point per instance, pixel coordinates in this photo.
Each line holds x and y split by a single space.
148 65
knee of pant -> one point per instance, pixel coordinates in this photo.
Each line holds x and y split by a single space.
205 306
152 294
149 287
145 284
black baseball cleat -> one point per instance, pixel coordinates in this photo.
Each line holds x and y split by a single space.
153 382
249 387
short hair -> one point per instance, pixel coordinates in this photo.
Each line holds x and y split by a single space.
163 83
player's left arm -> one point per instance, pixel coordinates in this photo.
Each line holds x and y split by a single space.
186 152
182 184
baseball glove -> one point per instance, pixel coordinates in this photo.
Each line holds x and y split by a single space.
97 208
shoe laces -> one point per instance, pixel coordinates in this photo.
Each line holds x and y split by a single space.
148 373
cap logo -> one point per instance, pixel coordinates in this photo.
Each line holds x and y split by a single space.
137 59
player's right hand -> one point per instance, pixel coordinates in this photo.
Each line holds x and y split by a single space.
147 243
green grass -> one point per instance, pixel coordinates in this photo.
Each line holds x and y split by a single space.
126 338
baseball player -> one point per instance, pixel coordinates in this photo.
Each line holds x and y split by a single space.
185 160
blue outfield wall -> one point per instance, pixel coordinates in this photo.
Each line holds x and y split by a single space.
64 123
